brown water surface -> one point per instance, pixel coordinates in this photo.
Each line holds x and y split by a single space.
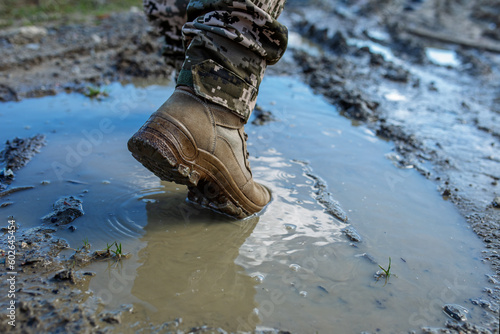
291 267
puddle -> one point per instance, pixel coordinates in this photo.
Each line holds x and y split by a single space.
374 47
378 35
298 42
291 268
395 96
442 57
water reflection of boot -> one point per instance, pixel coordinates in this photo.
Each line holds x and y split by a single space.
188 267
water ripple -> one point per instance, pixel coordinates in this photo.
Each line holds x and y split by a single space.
129 212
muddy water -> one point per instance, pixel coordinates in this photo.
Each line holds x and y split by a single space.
292 267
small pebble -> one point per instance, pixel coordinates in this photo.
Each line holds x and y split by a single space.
7 173
456 312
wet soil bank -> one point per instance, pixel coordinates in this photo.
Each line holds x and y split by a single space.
374 62
45 60
377 65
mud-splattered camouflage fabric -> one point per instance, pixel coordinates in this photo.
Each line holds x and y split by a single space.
229 44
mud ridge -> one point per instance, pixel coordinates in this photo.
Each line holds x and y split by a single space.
16 154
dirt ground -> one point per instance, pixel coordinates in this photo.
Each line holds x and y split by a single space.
46 60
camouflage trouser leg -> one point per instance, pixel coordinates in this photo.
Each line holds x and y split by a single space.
228 46
168 17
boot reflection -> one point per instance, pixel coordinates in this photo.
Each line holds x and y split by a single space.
187 268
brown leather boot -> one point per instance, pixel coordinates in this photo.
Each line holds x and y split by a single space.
200 144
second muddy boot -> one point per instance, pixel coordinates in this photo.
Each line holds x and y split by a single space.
203 145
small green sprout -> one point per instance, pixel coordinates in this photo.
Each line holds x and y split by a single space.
116 253
108 246
86 244
118 250
96 92
385 272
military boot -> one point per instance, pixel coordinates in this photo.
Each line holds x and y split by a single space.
194 142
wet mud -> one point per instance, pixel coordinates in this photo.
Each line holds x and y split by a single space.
432 96
51 284
40 61
15 155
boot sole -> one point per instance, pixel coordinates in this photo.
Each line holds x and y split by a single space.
202 172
